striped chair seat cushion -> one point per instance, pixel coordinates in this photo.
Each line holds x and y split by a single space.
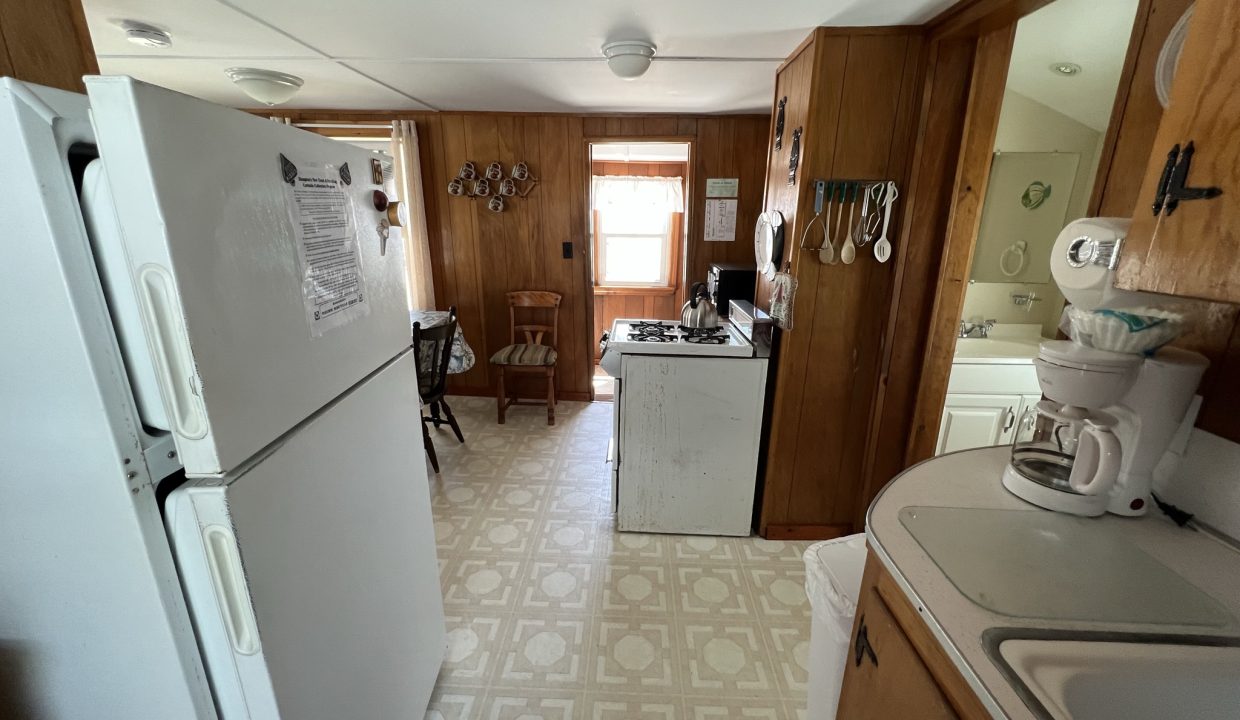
521 354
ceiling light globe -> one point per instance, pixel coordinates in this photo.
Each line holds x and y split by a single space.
266 86
629 59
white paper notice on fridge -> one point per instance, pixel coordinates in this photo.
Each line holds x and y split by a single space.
720 220
321 208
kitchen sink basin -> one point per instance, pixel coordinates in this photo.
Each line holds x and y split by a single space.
978 348
1099 676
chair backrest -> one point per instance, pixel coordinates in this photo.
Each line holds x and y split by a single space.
432 351
531 302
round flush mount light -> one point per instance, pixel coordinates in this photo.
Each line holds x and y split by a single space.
266 86
145 35
629 59
1065 68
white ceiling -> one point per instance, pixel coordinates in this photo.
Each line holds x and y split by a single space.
515 55
1091 33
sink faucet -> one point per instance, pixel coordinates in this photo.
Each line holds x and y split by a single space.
967 329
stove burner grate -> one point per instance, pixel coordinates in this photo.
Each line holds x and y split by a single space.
648 327
693 332
651 337
706 339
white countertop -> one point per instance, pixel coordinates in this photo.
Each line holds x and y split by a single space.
971 479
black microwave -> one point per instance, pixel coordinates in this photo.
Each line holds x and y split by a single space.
726 282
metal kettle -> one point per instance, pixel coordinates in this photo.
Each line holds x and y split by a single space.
699 312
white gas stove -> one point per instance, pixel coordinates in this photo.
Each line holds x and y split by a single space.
687 424
667 337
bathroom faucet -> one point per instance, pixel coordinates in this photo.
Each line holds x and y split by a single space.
982 329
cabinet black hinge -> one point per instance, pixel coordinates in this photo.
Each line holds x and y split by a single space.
1172 186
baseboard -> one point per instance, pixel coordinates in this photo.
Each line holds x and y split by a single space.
806 532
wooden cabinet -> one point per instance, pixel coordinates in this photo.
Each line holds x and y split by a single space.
1195 250
895 667
885 677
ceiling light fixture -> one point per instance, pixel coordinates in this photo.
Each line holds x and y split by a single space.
1065 68
629 59
266 86
140 33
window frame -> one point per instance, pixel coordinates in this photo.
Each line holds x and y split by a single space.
673 249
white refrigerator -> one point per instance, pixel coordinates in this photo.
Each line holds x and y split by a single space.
214 500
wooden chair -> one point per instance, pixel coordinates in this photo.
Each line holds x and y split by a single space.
531 356
432 351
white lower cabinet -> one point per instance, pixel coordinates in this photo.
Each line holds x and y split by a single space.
984 404
971 421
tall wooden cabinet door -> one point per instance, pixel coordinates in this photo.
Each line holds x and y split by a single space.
1195 250
890 681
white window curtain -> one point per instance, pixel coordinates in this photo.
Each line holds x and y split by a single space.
409 185
631 192
632 241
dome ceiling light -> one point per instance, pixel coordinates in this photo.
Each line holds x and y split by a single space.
1065 68
629 59
149 36
266 86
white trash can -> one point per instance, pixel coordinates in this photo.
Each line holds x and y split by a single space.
833 582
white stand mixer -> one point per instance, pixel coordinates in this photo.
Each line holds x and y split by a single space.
1092 445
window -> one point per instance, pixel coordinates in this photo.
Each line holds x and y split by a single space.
634 227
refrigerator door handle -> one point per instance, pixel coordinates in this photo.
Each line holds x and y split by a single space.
174 361
228 580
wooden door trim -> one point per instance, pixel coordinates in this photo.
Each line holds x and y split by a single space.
981 123
976 18
1106 154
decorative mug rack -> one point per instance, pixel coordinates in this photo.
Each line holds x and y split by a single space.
469 182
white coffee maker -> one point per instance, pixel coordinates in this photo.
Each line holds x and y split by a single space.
1092 445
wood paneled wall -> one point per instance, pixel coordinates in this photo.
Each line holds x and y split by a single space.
658 303
855 92
478 256
46 42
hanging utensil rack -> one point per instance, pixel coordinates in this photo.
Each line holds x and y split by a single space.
873 197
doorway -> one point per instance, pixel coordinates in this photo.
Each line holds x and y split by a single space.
1055 109
637 219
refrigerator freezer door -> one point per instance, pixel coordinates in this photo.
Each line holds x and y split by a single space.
219 248
312 576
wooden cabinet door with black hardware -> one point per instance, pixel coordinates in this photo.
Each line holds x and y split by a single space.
1191 245
895 667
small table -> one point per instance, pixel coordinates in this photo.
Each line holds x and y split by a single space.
462 354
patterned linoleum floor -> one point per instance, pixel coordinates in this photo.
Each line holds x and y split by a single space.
553 614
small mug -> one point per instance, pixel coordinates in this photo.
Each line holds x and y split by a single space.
456 187
468 171
508 187
482 188
521 171
496 204
495 171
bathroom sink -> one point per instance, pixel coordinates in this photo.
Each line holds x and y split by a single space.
1019 349
1117 675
